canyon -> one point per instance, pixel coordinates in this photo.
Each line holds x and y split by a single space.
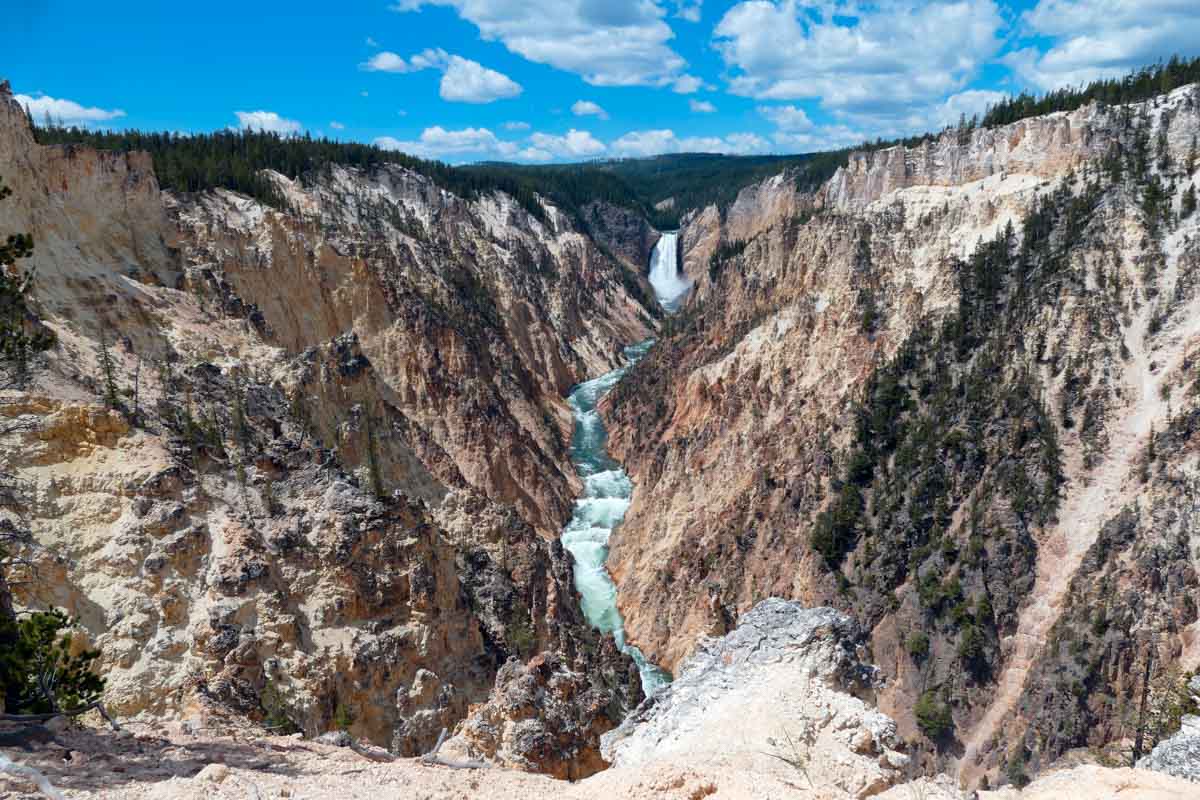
888 483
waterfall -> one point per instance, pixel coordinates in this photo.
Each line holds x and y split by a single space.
669 284
607 490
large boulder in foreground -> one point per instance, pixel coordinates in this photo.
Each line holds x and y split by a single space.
785 697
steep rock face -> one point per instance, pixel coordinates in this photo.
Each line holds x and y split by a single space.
626 235
1046 147
942 415
476 317
340 445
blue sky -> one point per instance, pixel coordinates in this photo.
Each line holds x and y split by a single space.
536 81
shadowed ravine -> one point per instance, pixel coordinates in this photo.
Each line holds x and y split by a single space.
607 489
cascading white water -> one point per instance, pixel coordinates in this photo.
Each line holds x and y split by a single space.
606 488
606 494
669 283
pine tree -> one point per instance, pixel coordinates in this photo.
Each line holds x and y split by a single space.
17 343
107 374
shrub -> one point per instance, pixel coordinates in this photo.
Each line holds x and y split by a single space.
917 645
275 712
38 673
933 716
1014 770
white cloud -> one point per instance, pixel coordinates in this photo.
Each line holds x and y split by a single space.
608 43
796 132
534 154
468 81
437 142
825 137
787 118
965 104
877 61
371 42
687 84
66 111
477 143
516 125
583 108
574 144
337 126
1103 38
688 11
702 107
387 61
463 80
266 121
656 142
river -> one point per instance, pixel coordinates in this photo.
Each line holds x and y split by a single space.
607 489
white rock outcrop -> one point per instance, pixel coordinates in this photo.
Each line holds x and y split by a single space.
784 696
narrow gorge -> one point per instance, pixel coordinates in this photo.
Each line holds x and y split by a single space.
607 489
870 473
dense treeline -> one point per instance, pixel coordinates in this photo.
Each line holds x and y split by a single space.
1139 85
234 159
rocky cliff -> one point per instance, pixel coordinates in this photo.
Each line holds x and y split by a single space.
326 478
950 394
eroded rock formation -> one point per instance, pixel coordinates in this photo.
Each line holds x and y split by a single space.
948 393
338 454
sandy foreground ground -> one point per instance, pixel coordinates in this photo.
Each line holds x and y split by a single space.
173 763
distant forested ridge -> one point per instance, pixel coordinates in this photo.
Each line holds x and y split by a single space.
234 159
1139 85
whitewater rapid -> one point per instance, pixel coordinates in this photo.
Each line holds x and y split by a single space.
606 488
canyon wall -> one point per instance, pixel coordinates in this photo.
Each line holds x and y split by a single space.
950 393
337 461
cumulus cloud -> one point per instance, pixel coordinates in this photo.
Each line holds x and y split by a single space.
574 144
66 111
702 107
438 142
787 118
463 80
337 126
818 138
467 81
656 142
608 43
1093 39
516 125
584 108
881 60
965 104
688 84
688 10
479 143
266 121
387 61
